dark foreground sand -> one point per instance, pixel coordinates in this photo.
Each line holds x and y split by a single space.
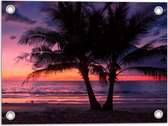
54 113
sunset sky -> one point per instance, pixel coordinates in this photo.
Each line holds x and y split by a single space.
28 15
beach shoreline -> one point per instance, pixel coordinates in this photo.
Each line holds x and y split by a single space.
43 113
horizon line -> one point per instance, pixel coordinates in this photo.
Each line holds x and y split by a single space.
82 80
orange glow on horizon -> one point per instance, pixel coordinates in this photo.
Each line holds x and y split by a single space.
19 71
68 75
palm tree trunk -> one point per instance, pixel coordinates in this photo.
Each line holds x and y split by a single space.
94 104
109 101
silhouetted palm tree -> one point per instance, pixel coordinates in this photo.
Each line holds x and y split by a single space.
71 41
109 35
118 34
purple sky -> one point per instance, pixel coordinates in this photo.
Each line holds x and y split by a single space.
28 15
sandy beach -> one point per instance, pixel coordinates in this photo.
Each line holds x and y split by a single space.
37 113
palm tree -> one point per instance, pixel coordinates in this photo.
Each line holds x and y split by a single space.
71 41
118 37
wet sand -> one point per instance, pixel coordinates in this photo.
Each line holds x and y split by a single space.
38 113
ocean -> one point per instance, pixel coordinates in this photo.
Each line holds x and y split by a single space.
74 92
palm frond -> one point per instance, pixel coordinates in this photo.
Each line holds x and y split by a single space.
98 69
117 15
59 11
121 13
95 27
22 57
139 24
115 28
143 53
44 56
41 36
59 67
146 51
69 15
157 73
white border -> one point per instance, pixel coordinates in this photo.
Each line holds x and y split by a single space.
126 124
